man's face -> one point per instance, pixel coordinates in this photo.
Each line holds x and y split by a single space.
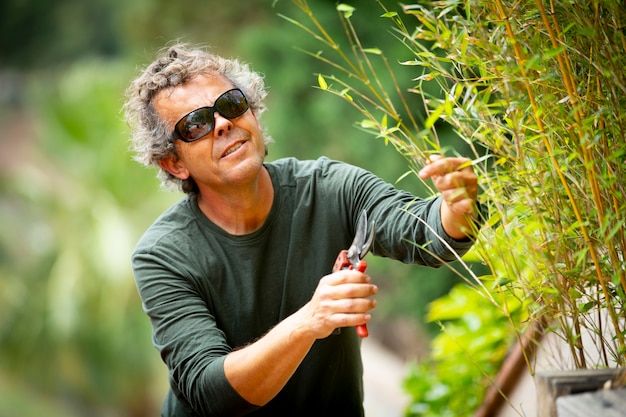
231 154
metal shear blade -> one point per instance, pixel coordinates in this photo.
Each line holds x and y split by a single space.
362 241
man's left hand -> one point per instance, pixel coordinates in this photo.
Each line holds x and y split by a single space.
455 179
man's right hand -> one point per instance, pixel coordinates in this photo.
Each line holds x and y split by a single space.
260 370
340 300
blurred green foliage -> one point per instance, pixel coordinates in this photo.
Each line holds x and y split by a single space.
466 354
72 326
73 337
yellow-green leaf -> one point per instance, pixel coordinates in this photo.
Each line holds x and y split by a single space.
434 116
322 82
346 9
374 51
368 124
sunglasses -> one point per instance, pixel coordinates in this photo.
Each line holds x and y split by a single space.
200 122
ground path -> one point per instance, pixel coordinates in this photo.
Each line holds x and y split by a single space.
383 376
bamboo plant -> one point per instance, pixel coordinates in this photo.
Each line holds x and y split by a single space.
537 90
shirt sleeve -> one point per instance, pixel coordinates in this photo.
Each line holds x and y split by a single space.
408 228
186 334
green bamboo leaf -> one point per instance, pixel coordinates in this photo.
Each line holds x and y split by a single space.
448 107
414 62
403 176
434 116
427 77
534 63
386 134
502 282
346 9
344 94
585 307
550 53
390 14
368 124
374 51
322 82
613 232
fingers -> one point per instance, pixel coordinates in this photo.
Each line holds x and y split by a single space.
346 276
440 165
457 187
455 179
347 286
341 300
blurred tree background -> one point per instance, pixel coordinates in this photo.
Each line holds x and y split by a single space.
74 340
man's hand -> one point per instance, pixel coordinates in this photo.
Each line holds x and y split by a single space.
455 179
261 369
340 300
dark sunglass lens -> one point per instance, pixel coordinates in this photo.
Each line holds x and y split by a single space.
231 104
201 121
196 124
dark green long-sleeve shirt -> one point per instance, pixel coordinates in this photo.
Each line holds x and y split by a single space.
208 292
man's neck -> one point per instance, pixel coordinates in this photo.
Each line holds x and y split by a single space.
242 210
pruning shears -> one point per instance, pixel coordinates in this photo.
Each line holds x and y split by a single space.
352 258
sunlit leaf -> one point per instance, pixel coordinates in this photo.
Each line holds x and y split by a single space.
368 124
373 51
550 53
346 9
344 93
322 82
434 116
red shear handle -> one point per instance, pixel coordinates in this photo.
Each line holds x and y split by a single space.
342 262
361 329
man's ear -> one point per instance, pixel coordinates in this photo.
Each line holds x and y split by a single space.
172 165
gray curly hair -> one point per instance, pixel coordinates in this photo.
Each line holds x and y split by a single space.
152 140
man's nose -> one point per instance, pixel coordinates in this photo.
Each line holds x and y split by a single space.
222 124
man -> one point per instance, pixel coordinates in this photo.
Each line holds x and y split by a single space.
235 276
